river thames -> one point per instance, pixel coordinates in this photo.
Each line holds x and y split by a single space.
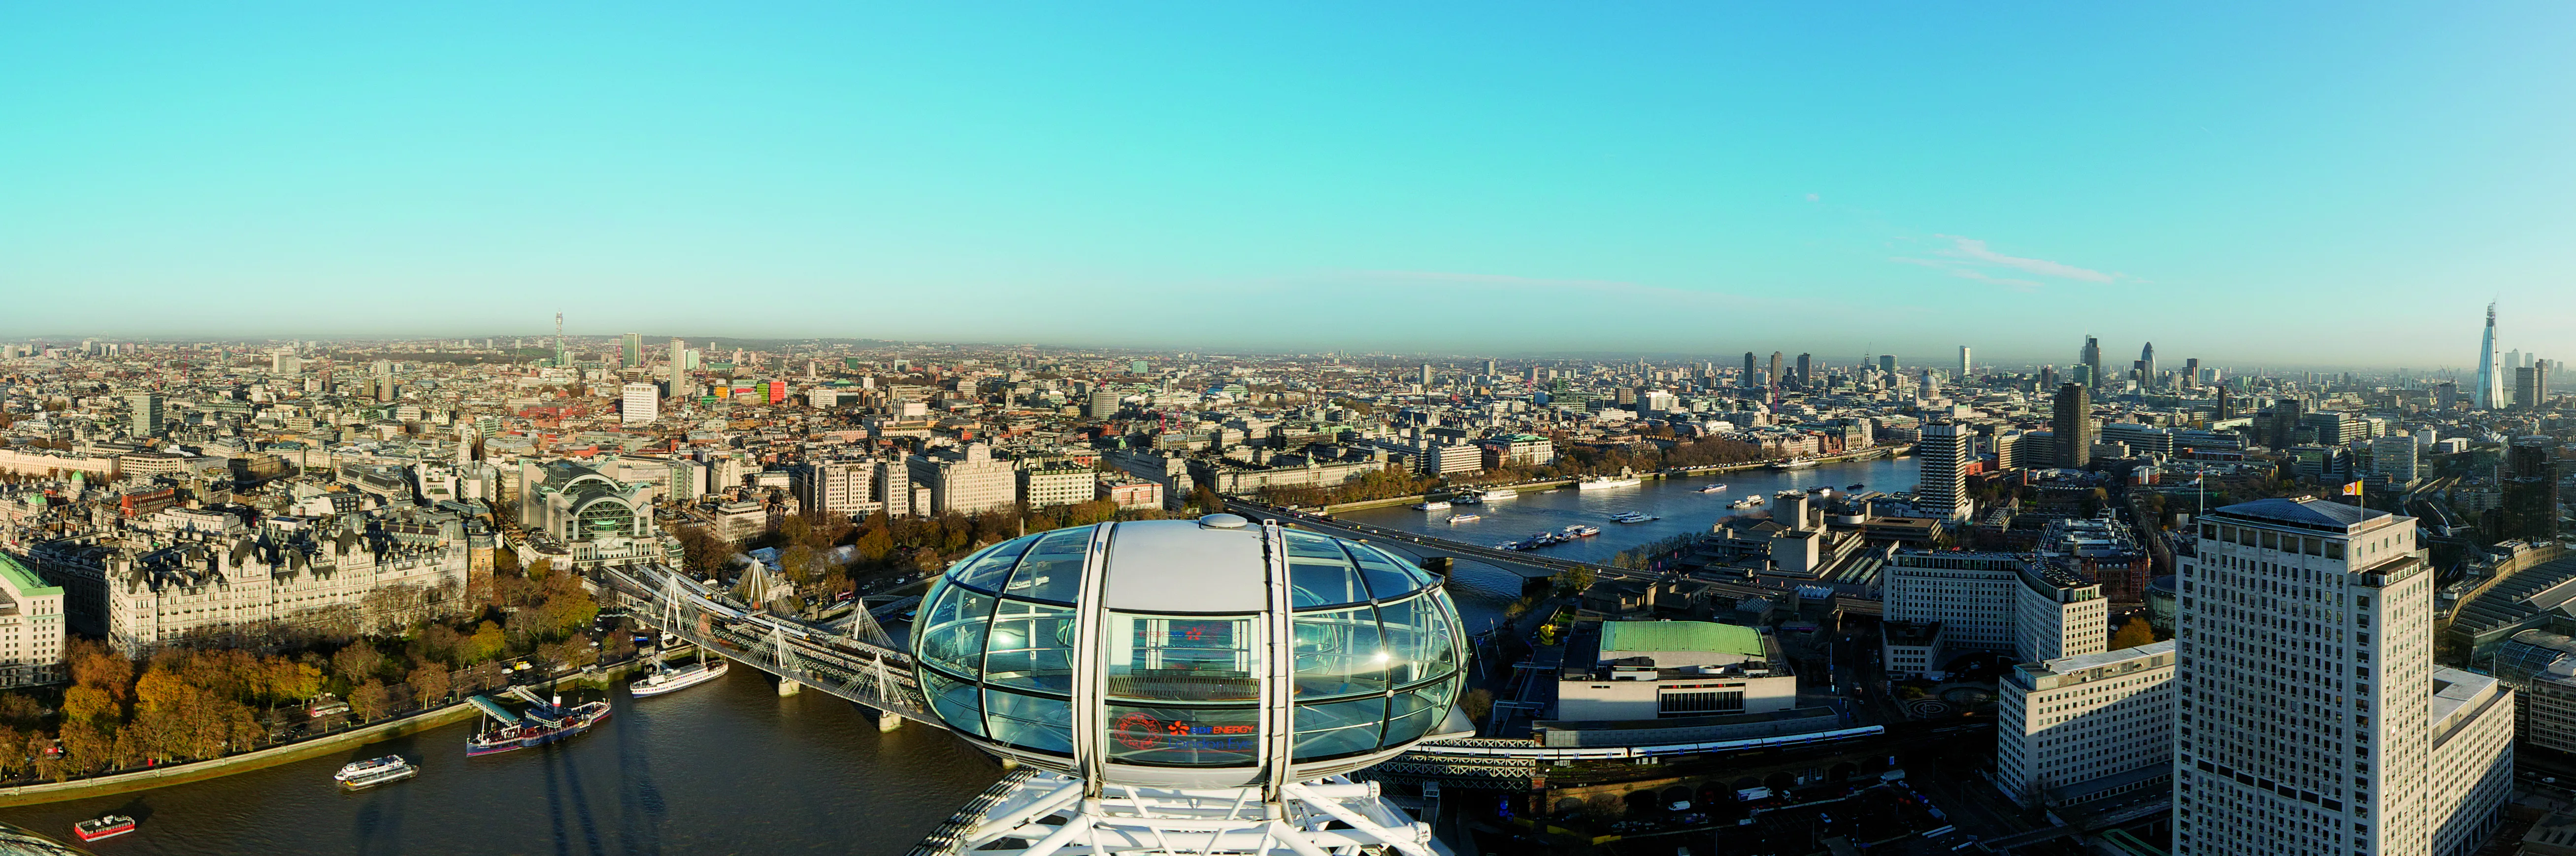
727 768
732 768
1677 501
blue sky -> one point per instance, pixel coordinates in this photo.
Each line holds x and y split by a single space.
2278 184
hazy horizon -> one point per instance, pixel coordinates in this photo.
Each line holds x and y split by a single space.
1723 359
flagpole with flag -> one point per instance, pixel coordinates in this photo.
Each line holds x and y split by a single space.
2354 490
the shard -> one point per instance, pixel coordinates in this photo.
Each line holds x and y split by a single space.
2490 383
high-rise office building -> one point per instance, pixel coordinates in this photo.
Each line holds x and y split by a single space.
1887 363
1426 375
1964 365
1749 369
680 390
1775 369
1945 449
640 403
2395 457
2310 718
2091 360
2147 366
2288 413
1806 371
2490 388
2071 426
2529 509
144 413
634 349
2191 372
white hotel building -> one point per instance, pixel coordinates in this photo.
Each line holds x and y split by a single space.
2076 729
2310 718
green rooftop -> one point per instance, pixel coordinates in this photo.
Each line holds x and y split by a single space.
1707 636
25 581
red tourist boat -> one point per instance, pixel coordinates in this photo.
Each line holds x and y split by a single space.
110 826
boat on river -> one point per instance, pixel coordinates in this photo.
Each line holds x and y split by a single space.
360 775
543 723
668 679
1434 505
1747 502
1715 488
1582 530
1456 519
1632 517
110 826
1604 482
1794 464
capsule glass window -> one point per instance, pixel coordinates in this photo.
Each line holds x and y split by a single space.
1183 658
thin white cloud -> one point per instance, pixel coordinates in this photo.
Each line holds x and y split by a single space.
1976 250
1962 272
1971 258
1545 288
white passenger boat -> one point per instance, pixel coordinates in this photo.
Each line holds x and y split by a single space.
375 771
1605 482
673 679
1434 505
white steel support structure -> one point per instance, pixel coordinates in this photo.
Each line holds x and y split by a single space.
1051 813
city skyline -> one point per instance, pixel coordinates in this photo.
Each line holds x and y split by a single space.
1654 182
1948 364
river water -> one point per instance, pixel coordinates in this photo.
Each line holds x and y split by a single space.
1678 501
731 768
725 768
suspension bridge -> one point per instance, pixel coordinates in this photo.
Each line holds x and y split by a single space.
855 660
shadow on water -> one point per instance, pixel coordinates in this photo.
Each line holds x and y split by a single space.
135 808
580 801
379 823
639 799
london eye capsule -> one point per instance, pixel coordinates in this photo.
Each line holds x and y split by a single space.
1209 653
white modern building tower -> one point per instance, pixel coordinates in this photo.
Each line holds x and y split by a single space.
2490 393
639 403
1945 451
2310 719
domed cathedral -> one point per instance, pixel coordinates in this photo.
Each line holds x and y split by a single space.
575 515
